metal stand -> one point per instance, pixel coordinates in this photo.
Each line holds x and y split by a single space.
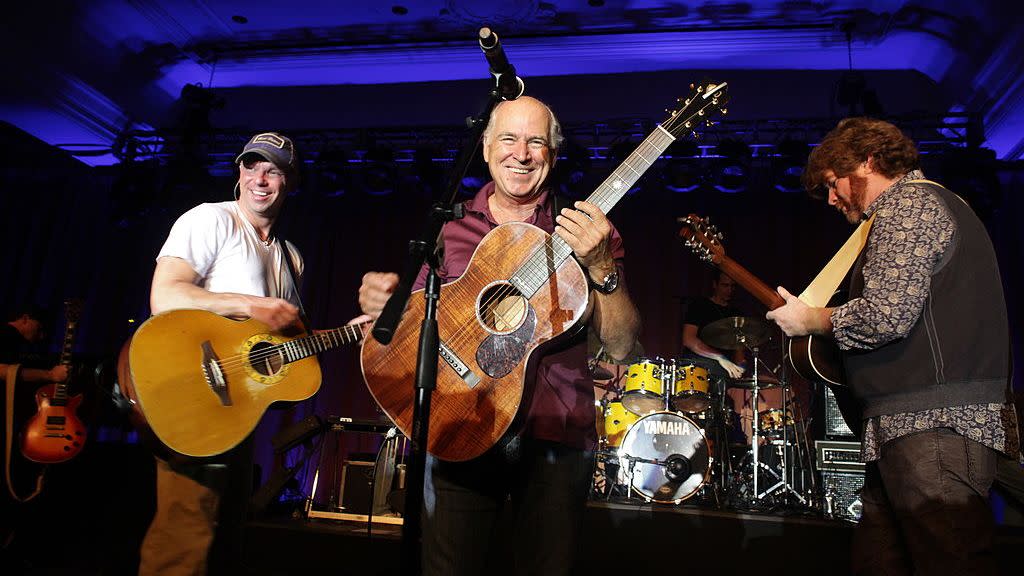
783 480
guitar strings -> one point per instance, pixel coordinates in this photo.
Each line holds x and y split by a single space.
322 339
233 362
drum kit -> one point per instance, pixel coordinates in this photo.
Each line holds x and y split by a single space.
665 425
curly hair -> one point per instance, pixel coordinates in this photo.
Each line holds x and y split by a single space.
850 144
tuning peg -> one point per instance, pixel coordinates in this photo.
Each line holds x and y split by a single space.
724 111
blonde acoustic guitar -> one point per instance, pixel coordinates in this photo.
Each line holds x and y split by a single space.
201 382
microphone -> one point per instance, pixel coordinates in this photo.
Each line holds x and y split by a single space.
509 85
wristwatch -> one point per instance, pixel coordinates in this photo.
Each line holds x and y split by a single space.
608 285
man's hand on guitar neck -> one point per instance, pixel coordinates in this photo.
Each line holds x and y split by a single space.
588 232
798 319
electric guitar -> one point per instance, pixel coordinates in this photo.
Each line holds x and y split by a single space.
813 357
55 434
520 290
201 382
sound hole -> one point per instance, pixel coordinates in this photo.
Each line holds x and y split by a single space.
502 308
265 359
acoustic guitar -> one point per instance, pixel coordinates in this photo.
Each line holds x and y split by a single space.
520 291
813 357
201 382
54 433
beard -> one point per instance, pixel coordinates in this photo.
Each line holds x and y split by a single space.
853 209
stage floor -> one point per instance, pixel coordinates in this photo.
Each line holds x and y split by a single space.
620 538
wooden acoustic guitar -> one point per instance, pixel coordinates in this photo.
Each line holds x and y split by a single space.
521 289
55 434
813 357
201 382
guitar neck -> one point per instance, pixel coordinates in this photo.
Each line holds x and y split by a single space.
751 283
534 274
60 392
306 346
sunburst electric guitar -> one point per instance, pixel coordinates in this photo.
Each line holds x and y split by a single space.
521 289
201 382
55 434
813 357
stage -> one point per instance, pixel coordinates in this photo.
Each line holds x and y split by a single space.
620 538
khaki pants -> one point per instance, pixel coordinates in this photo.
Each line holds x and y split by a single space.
179 537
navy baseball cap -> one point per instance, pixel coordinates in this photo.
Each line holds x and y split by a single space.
272 147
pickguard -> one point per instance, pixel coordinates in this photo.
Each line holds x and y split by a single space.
499 354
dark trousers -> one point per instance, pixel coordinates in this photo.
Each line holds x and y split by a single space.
926 508
501 515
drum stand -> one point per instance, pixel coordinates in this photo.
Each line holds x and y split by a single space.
782 481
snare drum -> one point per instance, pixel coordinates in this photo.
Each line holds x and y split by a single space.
644 388
690 389
772 422
665 457
612 423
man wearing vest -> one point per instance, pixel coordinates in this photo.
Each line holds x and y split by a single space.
926 343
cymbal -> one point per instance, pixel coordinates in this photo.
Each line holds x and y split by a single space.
735 333
763 381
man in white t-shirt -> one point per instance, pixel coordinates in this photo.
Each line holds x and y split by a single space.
222 257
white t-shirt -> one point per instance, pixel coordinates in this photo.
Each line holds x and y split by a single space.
225 250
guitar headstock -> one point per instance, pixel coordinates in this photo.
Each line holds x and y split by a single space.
703 238
695 110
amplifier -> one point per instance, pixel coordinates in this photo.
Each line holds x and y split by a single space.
842 477
842 494
343 424
839 456
365 487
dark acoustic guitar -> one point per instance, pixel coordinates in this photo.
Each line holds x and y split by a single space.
521 290
55 434
813 357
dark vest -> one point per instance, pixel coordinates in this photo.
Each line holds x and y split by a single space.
957 353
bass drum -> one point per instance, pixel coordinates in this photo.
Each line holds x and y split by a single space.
665 457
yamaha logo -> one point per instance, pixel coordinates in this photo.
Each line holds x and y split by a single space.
677 428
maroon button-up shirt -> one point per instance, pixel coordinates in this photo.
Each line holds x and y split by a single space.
562 408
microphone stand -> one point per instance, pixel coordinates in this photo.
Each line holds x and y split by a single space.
424 251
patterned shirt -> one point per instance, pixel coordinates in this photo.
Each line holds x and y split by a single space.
911 233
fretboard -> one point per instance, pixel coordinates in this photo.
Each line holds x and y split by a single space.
539 266
60 390
306 346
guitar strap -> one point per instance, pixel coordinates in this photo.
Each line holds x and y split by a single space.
820 290
12 378
287 257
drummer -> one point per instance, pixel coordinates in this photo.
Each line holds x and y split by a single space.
704 311
707 310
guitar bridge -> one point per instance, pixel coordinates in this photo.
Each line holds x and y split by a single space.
214 375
